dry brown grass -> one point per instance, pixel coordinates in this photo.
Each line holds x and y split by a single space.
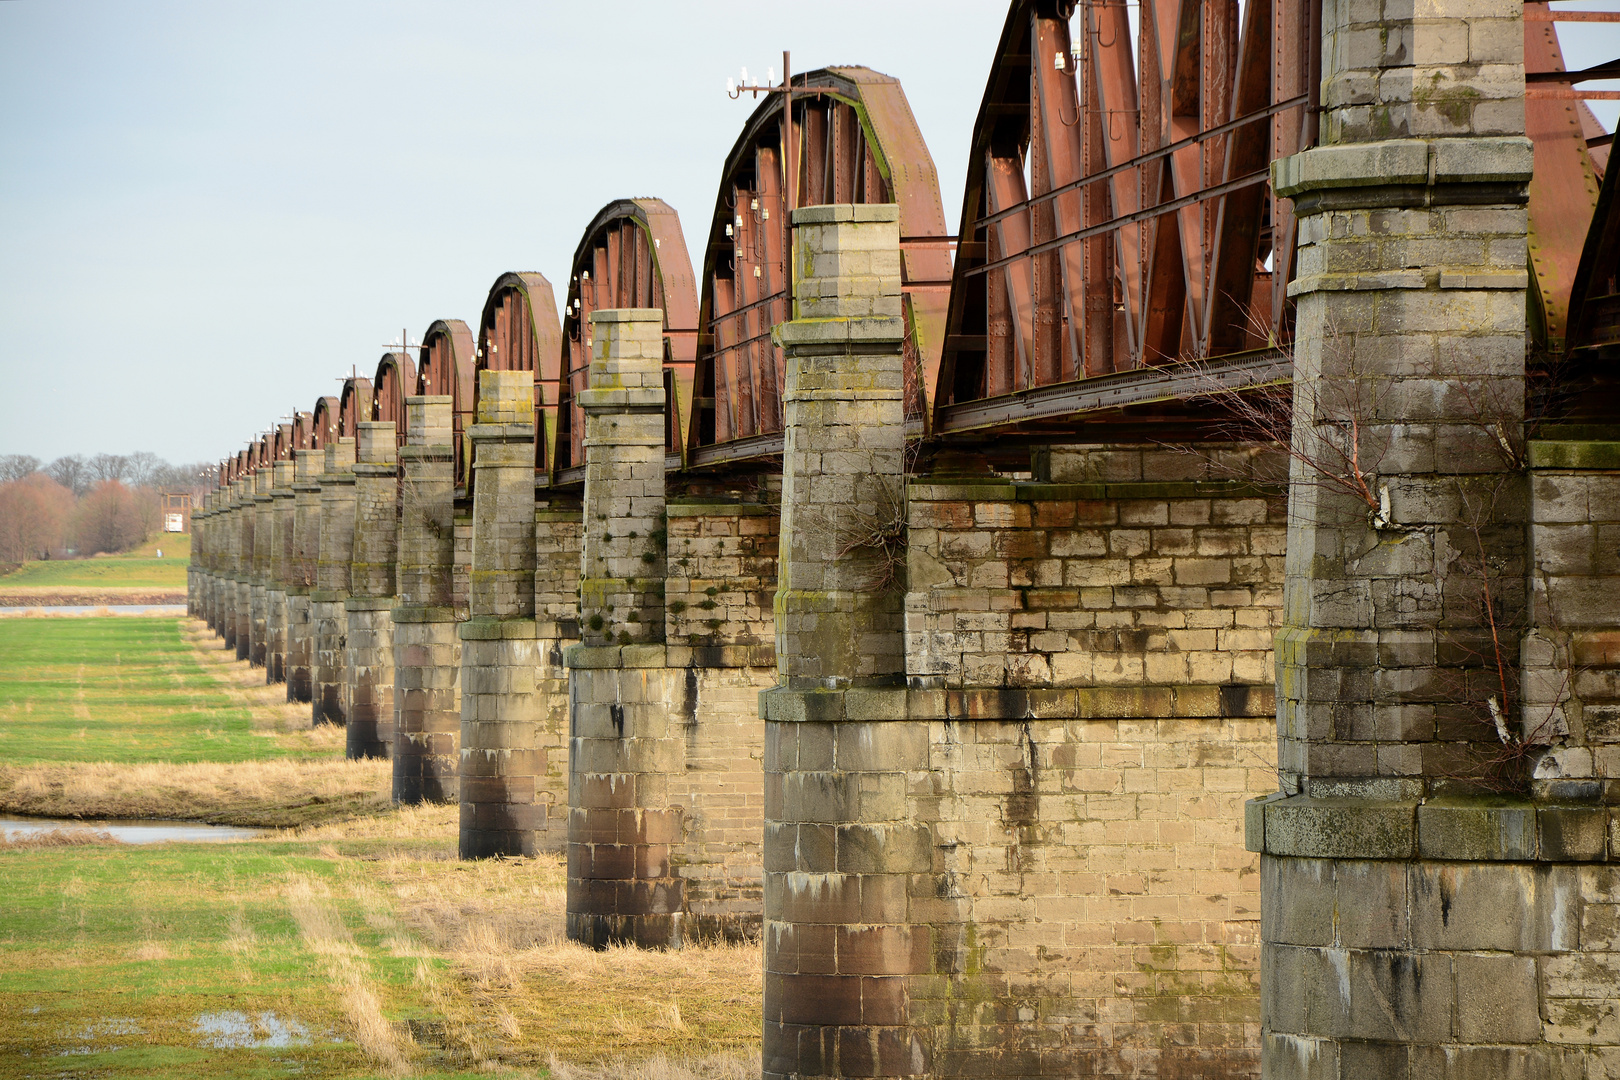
55 838
513 991
275 793
733 1065
324 934
271 793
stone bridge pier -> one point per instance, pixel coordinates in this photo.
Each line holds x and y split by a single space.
262 515
242 566
501 704
329 704
275 601
427 652
843 855
1430 906
369 659
302 556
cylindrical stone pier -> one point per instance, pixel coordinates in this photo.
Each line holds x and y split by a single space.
1427 907
427 650
275 597
500 660
624 735
242 567
304 548
328 705
843 858
259 574
371 593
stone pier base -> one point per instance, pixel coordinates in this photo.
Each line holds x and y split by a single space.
1460 939
275 636
370 673
300 647
665 798
513 697
243 616
624 749
331 624
258 625
427 706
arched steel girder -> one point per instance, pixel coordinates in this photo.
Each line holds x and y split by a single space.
354 405
632 255
324 422
1117 212
519 331
394 382
856 143
445 368
282 443
1565 185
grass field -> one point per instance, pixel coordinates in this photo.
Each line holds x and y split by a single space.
357 947
149 717
107 572
123 690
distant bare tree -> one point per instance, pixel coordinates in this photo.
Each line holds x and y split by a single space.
17 466
144 469
108 519
72 472
34 513
110 467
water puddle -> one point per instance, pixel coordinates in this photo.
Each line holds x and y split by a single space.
95 1033
239 1031
130 832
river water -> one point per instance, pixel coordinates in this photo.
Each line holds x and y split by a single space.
111 609
133 832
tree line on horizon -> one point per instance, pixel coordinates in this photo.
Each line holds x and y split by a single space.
81 506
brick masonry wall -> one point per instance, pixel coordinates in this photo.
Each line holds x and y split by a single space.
722 575
1571 655
1096 584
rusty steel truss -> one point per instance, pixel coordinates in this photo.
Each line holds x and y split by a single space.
1119 250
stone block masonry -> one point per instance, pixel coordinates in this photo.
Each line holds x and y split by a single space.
427 652
502 710
369 665
558 534
1015 852
302 558
327 612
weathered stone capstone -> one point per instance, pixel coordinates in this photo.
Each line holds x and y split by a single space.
427 652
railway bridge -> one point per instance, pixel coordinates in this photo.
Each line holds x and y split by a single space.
1178 636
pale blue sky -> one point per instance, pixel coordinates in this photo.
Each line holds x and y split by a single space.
211 210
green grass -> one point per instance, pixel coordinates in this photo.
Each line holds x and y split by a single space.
111 571
117 689
111 956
